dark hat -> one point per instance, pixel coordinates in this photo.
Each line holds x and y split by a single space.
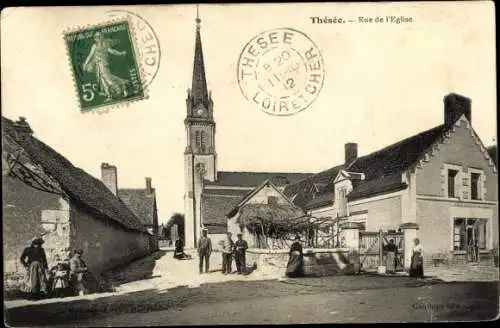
239 234
37 241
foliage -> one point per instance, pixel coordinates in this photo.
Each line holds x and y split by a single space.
175 219
279 222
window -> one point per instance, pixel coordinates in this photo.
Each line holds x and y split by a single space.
201 137
198 138
452 175
469 231
342 202
475 179
272 200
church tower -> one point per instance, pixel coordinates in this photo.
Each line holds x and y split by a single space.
199 156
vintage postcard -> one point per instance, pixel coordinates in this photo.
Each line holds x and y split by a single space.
260 163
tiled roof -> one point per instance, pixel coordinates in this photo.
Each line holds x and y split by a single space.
253 179
377 186
141 202
303 188
397 157
382 170
493 152
228 192
81 187
215 207
324 199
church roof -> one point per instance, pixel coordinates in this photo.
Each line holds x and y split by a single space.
199 90
254 179
214 208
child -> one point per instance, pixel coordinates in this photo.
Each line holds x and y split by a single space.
60 274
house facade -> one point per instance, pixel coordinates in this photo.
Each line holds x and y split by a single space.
266 202
442 181
44 194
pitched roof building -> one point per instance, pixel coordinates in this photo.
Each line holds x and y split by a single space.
442 180
80 186
209 193
44 193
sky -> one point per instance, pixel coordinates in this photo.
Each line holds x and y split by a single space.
383 82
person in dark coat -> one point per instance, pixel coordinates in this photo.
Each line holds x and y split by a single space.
391 250
179 250
204 251
295 266
240 247
34 260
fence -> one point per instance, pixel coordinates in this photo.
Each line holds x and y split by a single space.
371 248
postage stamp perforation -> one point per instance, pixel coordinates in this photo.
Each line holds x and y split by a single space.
139 54
68 57
77 28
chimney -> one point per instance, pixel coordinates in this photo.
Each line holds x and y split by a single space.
109 177
455 106
22 127
149 188
351 152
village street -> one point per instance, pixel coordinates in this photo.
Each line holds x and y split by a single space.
150 292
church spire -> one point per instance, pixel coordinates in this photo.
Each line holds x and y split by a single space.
199 92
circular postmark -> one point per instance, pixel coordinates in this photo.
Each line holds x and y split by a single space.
281 71
146 43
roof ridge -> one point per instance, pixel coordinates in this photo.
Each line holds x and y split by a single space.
60 168
399 142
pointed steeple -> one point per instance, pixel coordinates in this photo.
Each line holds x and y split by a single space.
199 91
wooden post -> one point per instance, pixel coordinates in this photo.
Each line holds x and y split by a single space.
380 247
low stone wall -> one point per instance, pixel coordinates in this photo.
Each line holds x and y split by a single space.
317 262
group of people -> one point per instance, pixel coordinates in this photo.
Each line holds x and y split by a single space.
229 249
66 278
416 264
295 267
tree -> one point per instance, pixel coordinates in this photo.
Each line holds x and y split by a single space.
176 219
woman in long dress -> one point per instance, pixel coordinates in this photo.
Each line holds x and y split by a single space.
34 260
295 266
417 268
98 62
391 251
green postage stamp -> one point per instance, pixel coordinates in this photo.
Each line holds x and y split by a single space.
104 64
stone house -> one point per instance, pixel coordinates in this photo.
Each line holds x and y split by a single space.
44 194
266 202
441 184
142 201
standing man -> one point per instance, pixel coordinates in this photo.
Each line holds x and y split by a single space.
204 250
227 253
240 247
